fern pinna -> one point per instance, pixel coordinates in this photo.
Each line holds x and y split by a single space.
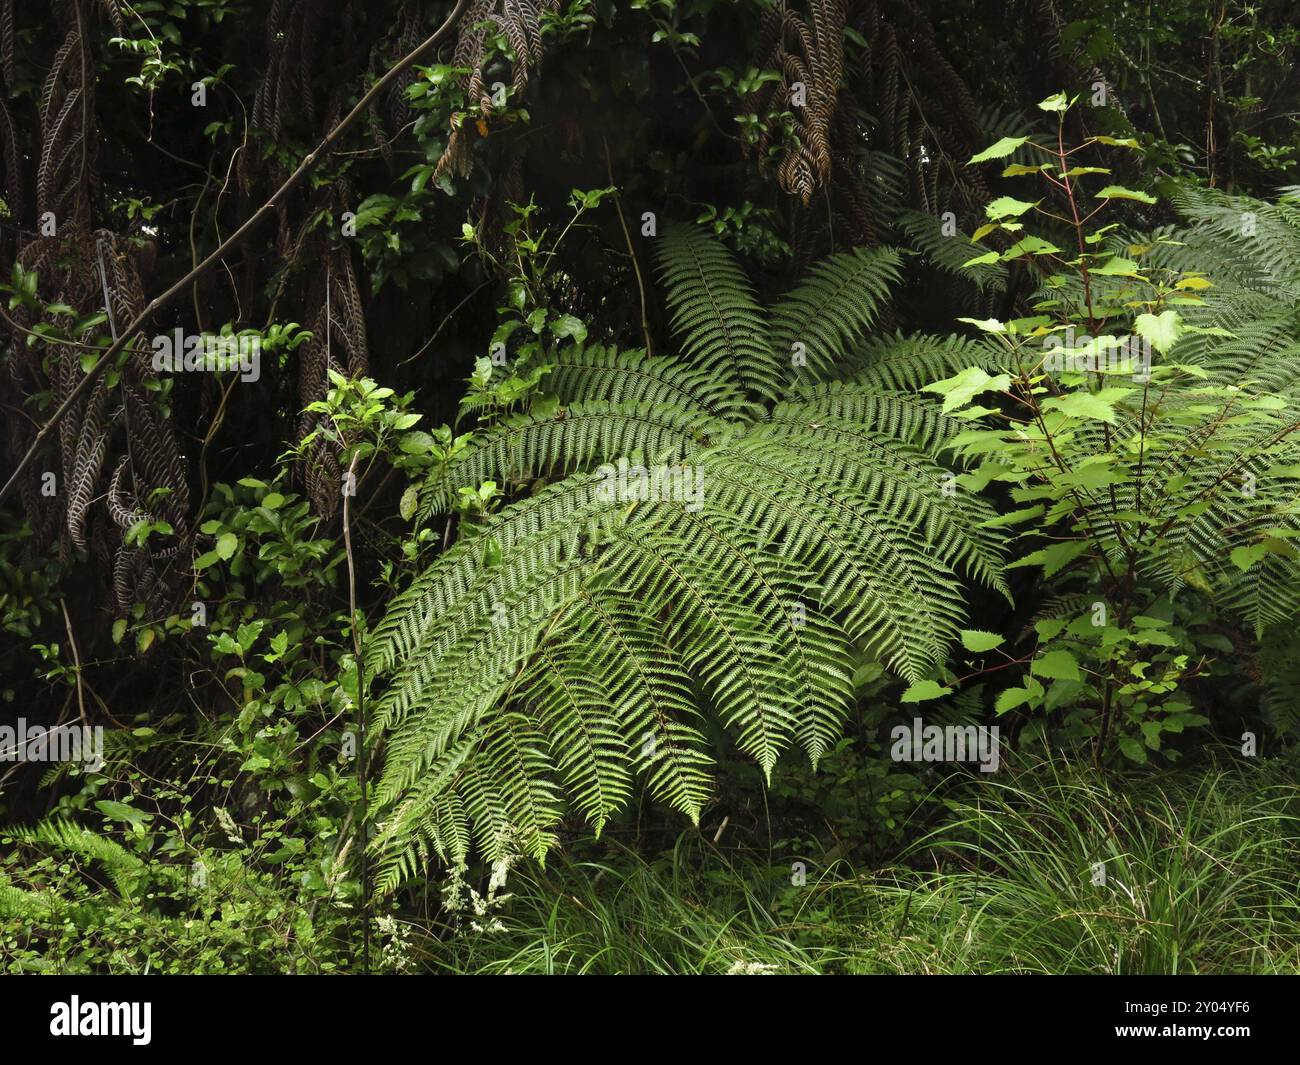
720 534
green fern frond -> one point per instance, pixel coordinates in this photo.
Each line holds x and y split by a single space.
122 867
22 905
781 595
589 636
554 519
834 305
891 594
908 417
445 688
508 794
950 252
900 363
1249 242
722 328
589 737
670 750
599 373
528 446
898 480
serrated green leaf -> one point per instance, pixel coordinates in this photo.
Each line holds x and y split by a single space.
1056 665
1082 404
1119 192
1000 149
978 640
965 386
1007 207
1162 330
922 691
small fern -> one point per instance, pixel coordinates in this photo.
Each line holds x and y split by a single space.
124 869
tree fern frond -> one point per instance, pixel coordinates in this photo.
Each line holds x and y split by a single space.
892 596
723 329
835 304
898 480
717 633
554 519
582 374
440 693
587 636
907 416
508 794
1252 243
900 363
782 597
671 748
527 446
949 252
590 737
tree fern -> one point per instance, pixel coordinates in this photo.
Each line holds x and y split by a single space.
582 638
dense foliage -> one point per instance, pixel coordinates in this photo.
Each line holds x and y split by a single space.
633 421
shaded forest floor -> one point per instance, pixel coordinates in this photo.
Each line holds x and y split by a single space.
1182 873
